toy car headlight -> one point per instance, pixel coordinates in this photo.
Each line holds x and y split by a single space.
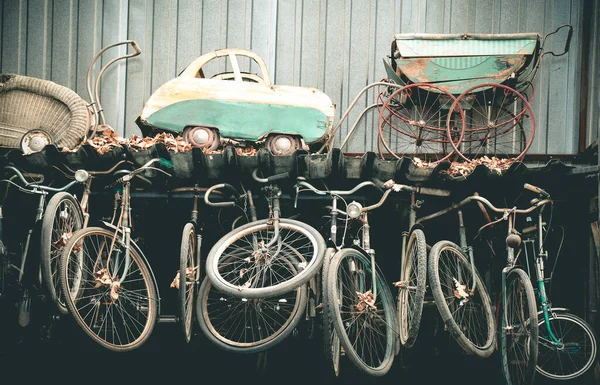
81 176
354 209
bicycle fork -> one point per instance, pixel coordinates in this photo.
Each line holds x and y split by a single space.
469 251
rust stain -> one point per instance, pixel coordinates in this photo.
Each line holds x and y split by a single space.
416 69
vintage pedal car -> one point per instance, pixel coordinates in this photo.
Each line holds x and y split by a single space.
218 101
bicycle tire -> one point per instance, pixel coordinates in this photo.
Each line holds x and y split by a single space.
410 305
331 341
188 259
216 269
514 316
223 336
143 298
582 355
455 310
63 209
375 362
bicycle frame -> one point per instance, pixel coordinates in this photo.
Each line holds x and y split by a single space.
539 273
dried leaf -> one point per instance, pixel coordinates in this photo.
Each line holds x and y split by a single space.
175 282
463 169
461 290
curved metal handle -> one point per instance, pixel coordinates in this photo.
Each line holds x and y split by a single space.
535 189
270 179
567 43
217 187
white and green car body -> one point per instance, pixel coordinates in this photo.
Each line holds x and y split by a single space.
242 106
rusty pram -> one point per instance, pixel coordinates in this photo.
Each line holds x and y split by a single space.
458 96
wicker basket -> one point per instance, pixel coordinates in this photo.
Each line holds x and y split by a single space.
28 103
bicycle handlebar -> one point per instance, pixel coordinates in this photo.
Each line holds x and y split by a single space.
93 173
486 202
36 186
309 186
270 179
213 190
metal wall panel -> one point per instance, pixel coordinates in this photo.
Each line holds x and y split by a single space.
336 46
593 77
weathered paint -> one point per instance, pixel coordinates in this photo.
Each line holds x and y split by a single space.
241 105
447 45
456 75
459 62
242 120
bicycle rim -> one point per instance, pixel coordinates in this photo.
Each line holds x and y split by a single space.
119 318
576 352
468 316
519 333
187 279
241 264
412 290
62 218
248 325
366 326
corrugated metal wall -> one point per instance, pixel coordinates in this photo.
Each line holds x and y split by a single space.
336 46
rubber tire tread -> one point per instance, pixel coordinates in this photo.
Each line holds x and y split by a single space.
46 244
388 301
584 325
531 304
436 289
299 279
146 273
203 292
183 260
413 327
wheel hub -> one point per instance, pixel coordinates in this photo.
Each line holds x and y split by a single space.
282 144
34 141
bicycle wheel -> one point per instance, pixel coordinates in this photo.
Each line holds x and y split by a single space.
189 276
365 323
248 325
331 341
119 317
412 122
412 289
240 264
62 217
499 122
467 315
573 355
519 333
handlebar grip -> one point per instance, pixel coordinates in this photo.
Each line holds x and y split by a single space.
136 47
569 36
276 177
216 187
533 188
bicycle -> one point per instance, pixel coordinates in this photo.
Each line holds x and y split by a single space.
249 325
412 285
356 293
62 217
567 344
246 261
331 342
459 293
28 274
518 313
109 286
